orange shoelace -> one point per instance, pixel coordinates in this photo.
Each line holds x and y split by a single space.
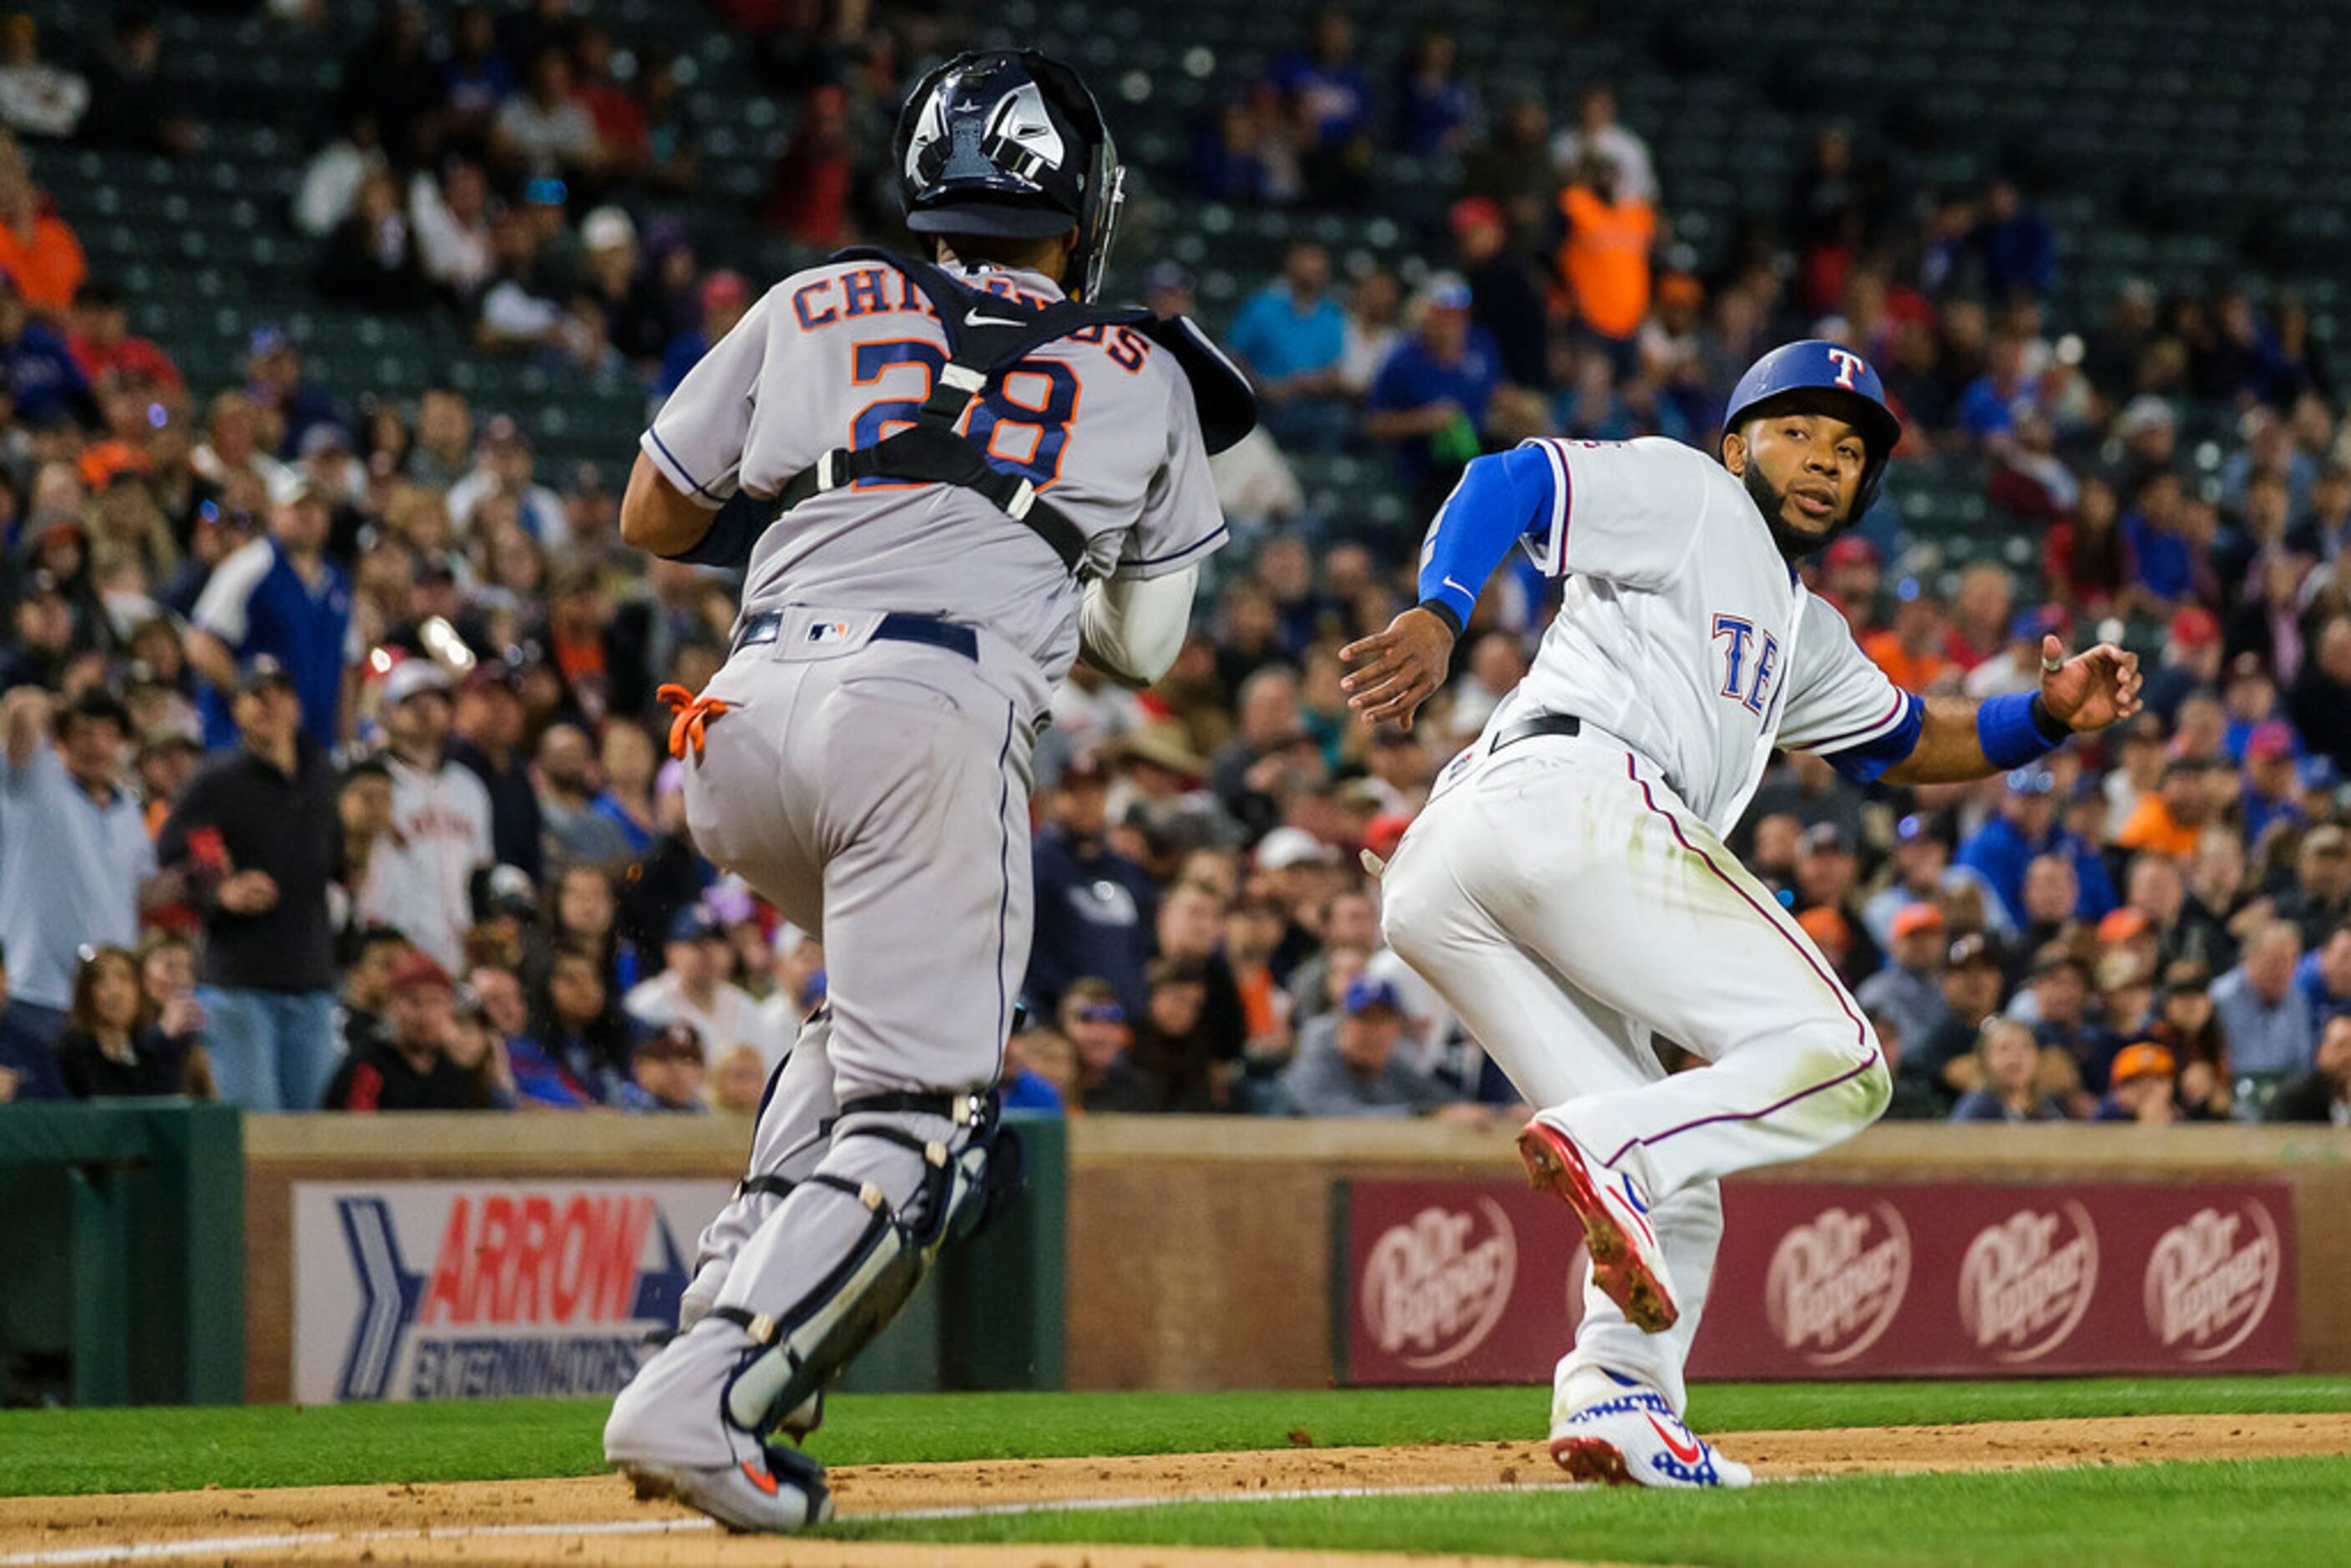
693 714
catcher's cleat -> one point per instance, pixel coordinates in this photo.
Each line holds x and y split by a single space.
783 1494
1628 1262
1635 1438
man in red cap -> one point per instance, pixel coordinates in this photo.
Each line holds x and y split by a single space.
1850 573
2273 777
1502 293
725 296
2191 662
410 1069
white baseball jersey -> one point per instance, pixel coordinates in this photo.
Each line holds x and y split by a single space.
1102 422
419 878
1684 633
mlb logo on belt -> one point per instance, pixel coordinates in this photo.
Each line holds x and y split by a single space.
827 632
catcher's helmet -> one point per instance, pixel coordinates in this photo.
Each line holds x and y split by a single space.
1011 144
1832 379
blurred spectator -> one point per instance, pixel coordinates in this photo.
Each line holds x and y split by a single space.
277 389
2076 1053
636 323
39 250
2322 1094
724 298
1596 133
692 988
75 858
2019 249
1945 1063
450 218
392 82
503 466
329 186
2084 558
1910 650
1291 336
37 98
1329 105
421 877
2008 1066
1512 169
543 132
476 1049
2027 826
2264 1018
2320 895
370 259
256 838
1433 106
623 143
1504 299
1429 401
283 597
1909 989
1095 1021
106 350
667 1071
577 1026
444 453
410 1068
813 181
672 136
2170 819
38 368
1604 259
110 1048
486 739
475 75
1094 907
738 1082
2146 1081
2320 700
567 788
1349 1064
28 1060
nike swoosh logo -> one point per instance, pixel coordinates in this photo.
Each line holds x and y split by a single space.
1691 1454
766 1483
1457 586
974 319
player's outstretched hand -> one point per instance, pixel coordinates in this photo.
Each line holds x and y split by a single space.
2093 689
1398 669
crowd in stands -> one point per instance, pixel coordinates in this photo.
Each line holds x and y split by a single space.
331 772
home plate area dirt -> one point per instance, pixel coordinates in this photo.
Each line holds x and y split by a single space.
594 1521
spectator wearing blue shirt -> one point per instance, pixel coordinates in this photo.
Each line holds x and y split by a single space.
28 1060
1329 103
2162 562
1989 406
2264 1017
280 596
2026 827
1429 401
1094 907
724 296
1291 336
2324 977
38 369
2272 777
1433 108
2020 251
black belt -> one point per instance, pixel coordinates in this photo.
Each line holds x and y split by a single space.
1519 729
768 625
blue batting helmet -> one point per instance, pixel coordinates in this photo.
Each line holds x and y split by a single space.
1833 378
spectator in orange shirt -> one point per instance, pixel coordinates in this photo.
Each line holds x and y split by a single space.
1605 259
1910 651
2170 819
37 246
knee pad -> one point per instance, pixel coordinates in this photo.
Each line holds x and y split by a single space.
966 1183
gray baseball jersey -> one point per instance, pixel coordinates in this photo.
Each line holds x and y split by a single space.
842 355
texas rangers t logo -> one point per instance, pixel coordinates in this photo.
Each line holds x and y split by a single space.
1743 679
1849 365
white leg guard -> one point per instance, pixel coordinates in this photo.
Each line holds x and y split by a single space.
791 1138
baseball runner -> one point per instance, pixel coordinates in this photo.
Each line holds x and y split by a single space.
1567 890
949 479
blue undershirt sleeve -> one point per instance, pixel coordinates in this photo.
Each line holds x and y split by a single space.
1501 500
1866 763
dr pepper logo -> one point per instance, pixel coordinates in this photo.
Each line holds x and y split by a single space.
1836 1283
2026 1282
2211 1279
1434 1287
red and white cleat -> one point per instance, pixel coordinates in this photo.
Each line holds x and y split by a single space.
1628 1262
1633 1438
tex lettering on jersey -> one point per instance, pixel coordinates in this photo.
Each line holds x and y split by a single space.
1751 660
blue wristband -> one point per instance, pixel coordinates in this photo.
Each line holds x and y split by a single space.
2009 730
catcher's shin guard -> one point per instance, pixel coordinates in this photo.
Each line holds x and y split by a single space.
964 1179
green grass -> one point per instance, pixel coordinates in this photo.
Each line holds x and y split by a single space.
52 1452
2278 1513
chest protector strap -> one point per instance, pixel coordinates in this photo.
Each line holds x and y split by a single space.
987 336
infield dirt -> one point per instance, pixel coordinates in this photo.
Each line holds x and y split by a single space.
594 1523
